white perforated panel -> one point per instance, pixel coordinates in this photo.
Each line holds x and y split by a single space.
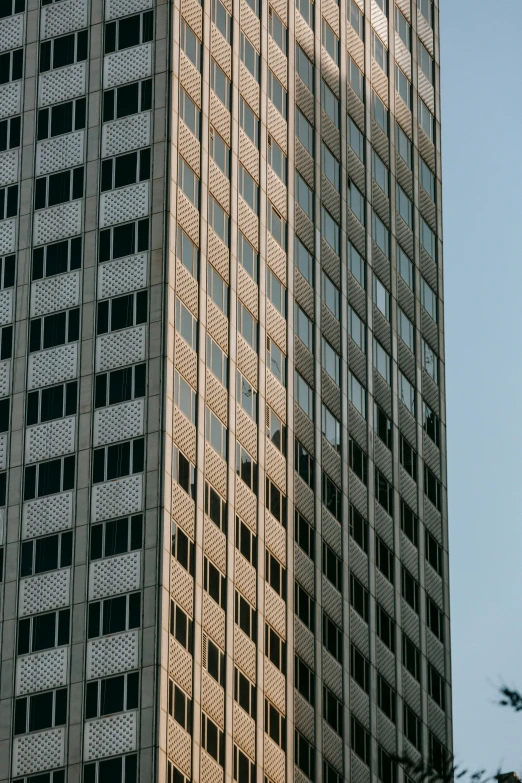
54 365
112 654
6 306
11 32
38 751
2 526
119 422
62 84
41 671
7 229
47 515
114 575
8 167
120 348
119 277
10 99
110 736
59 153
63 17
126 134
4 448
115 8
44 592
55 293
5 377
58 222
52 439
123 204
117 498
128 65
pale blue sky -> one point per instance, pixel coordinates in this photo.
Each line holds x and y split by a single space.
481 52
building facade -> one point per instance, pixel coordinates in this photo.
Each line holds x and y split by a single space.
222 394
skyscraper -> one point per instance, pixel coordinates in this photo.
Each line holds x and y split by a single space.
222 410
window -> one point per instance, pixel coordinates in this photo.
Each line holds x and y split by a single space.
124 239
215 433
382 426
61 51
384 559
116 770
330 295
186 324
10 7
117 460
379 52
218 219
331 42
304 196
434 619
244 769
436 687
307 10
126 100
330 230
184 472
277 94
187 252
246 396
215 507
411 657
219 83
52 402
304 328
46 478
276 225
404 206
188 182
331 428
217 289
275 724
360 668
412 727
410 589
54 121
380 173
247 257
381 235
387 768
330 104
48 191
381 297
408 458
433 553
304 464
277 29
355 75
41 711
426 9
357 394
385 628
330 775
403 146
330 167
46 554
331 361
222 20
356 18
332 497
247 325
379 112
180 707
120 312
249 56
275 574
276 502
254 5
332 567
359 597
214 583
383 5
246 542
10 133
116 537
358 460
358 528
112 694
114 615
304 68
277 159
405 267
304 680
248 122
426 120
276 292
244 692
130 31
383 492
381 361
403 86
409 525
304 607
361 743
275 648
212 739
355 139
356 203
332 638
428 239
426 62
305 535
190 44
217 361
429 299
430 361
332 710
6 342
304 261
304 131
219 151
304 755
125 169
427 179
356 329
431 424
386 699
406 393
304 395
246 467
406 329
357 265
402 27
245 616
185 397
276 361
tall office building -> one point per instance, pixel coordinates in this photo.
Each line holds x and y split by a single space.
222 449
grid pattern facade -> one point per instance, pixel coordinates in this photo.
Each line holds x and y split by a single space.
223 514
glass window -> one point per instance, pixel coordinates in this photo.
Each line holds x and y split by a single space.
379 52
357 265
330 166
426 9
220 152
331 361
304 132
407 393
276 361
330 295
403 28
330 230
222 20
357 394
429 299
307 9
381 297
331 42
277 159
403 86
430 361
427 179
381 235
219 83
406 330
304 261
426 62
304 196
427 239
247 256
277 29
189 112
405 267
330 103
355 139
381 361
218 219
304 68
379 112
304 395
426 120
249 56
357 329
380 173
277 94
217 361
248 121
247 325
403 146
355 76
356 18
190 44
246 396
404 206
276 225
276 292
304 328
217 289
187 252
331 428
248 188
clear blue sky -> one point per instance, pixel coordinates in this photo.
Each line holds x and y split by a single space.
481 52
